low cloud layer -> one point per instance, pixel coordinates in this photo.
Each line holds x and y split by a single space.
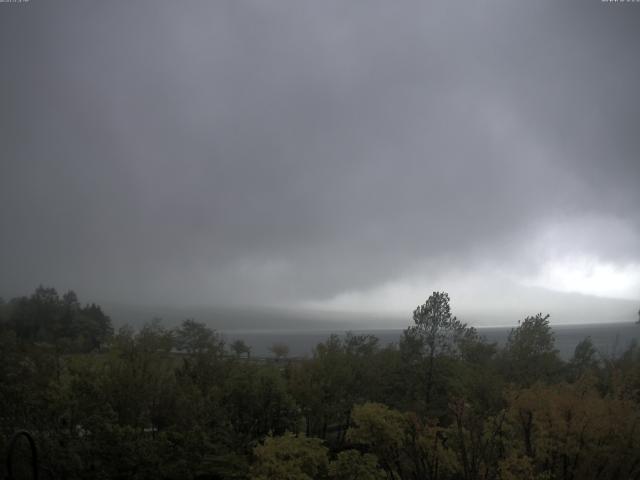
307 153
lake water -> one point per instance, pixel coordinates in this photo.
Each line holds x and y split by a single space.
610 339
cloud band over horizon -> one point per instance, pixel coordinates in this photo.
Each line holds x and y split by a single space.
319 154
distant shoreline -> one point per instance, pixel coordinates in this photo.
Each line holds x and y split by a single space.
609 338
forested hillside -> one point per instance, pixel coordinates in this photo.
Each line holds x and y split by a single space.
442 403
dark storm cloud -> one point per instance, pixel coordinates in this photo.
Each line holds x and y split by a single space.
251 152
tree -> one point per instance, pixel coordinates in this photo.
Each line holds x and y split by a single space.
437 332
290 457
3 313
196 338
477 439
154 338
239 347
98 325
343 371
353 465
279 350
382 430
136 379
585 358
255 401
60 322
530 353
570 431
203 366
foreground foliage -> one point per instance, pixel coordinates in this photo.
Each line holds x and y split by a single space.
163 403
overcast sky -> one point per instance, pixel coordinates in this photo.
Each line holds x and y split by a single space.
342 155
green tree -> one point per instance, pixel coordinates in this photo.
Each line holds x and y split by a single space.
477 439
290 457
196 338
585 359
341 373
256 402
280 350
239 347
203 360
353 465
135 379
530 354
572 432
382 430
60 322
436 332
